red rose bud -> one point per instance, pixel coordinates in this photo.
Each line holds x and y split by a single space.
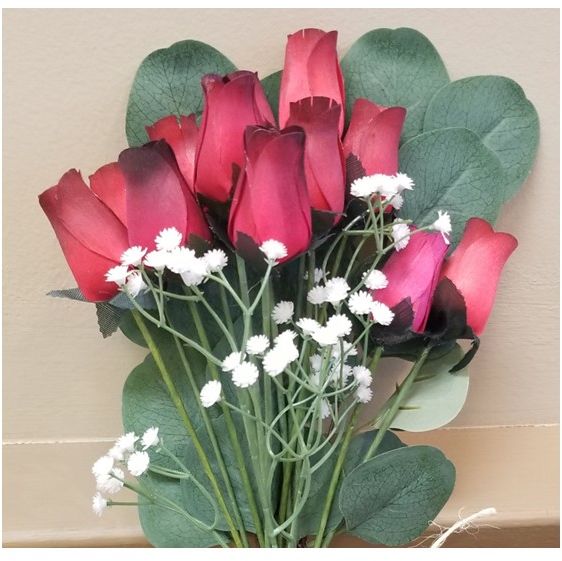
373 136
475 268
158 196
270 200
90 228
311 70
324 165
182 136
413 273
231 104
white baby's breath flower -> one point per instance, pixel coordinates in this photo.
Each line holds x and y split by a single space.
210 393
397 201
363 187
135 284
316 295
443 225
337 290
340 324
168 239
375 280
109 484
308 325
360 303
116 452
216 260
132 257
273 250
117 274
325 336
404 182
127 442
275 361
103 466
387 186
99 504
150 438
232 361
314 380
285 338
180 259
318 275
245 375
191 278
401 235
257 344
283 312
138 463
362 375
325 410
382 314
156 260
364 394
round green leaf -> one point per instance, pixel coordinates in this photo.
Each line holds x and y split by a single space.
394 67
165 528
392 498
496 109
436 397
168 82
453 171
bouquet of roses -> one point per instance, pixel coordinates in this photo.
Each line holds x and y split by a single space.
270 243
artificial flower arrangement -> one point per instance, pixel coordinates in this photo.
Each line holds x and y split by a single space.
271 243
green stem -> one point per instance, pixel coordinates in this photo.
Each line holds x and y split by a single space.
177 401
214 442
335 480
232 433
397 401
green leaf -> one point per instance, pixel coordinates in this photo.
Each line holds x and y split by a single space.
196 498
392 498
165 528
496 109
147 403
309 519
453 171
271 85
168 82
394 67
436 396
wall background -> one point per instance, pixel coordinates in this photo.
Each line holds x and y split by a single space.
67 75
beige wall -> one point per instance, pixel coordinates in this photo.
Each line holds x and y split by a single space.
66 80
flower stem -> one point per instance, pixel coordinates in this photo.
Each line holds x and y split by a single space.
177 401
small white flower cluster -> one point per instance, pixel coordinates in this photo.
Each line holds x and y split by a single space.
401 233
128 280
167 255
274 251
334 291
363 378
443 225
388 186
359 303
129 451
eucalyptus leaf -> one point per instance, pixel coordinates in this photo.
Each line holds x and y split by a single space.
166 528
453 171
195 497
168 82
436 397
496 109
271 86
310 517
394 67
392 498
147 403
